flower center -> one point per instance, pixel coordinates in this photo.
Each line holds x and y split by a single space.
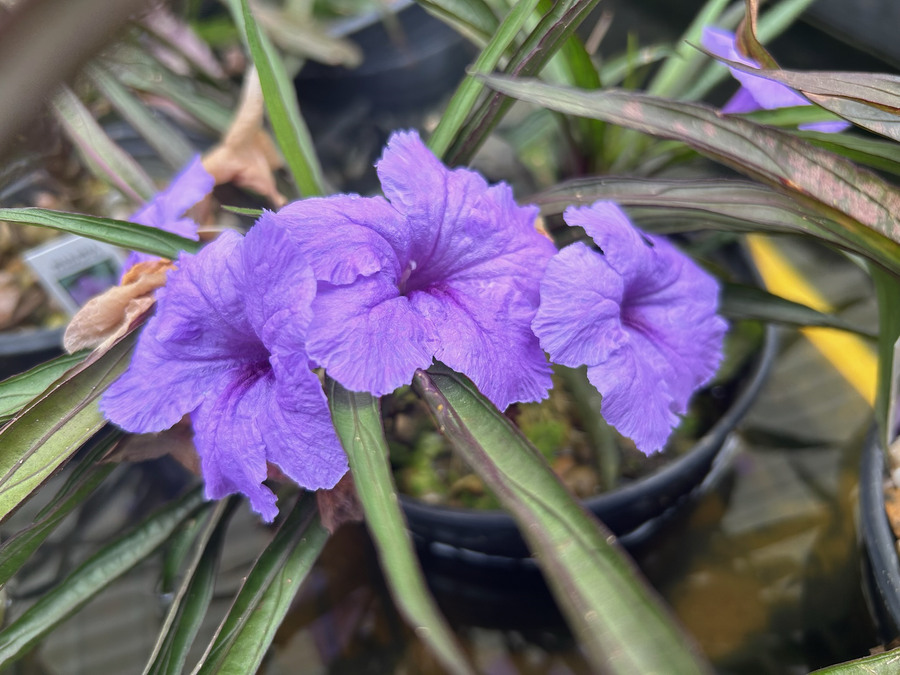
410 268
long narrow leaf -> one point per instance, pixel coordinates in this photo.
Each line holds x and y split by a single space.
45 435
887 663
863 205
751 302
247 631
887 289
85 478
467 93
551 33
106 159
281 103
473 18
104 567
17 391
624 627
358 423
171 145
872 152
117 232
679 69
188 608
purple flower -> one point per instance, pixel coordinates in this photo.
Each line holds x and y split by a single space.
227 346
448 268
641 316
166 209
757 93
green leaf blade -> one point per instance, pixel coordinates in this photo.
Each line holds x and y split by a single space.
117 232
358 423
19 390
111 562
281 103
623 626
247 631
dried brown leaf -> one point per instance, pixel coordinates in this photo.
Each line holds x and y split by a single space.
177 441
340 504
109 316
247 156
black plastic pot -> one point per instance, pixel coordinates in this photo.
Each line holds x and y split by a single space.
881 565
21 350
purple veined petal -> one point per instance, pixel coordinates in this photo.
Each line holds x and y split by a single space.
345 236
578 321
367 335
166 209
622 244
278 302
434 200
484 331
741 102
229 440
833 127
721 44
636 397
675 309
301 419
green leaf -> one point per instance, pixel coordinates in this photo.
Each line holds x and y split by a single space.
18 390
168 142
862 205
682 66
614 70
886 663
671 205
105 159
751 302
117 232
548 37
281 103
188 608
136 69
100 570
241 211
472 18
82 482
873 152
247 631
469 89
619 620
357 419
791 117
45 435
887 290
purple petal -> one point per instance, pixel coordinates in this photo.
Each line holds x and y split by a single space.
198 332
835 127
767 94
164 211
278 301
741 102
229 440
578 321
435 201
641 316
368 337
300 419
345 236
485 333
636 396
622 244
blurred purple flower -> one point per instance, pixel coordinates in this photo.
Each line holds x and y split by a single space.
166 209
449 268
227 346
757 93
641 316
